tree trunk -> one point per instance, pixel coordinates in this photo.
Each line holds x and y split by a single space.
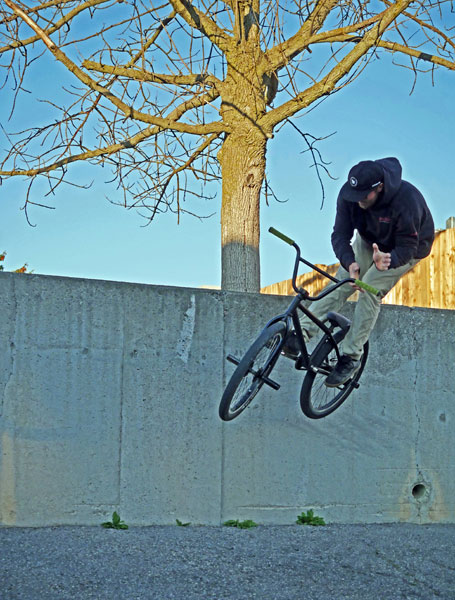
242 159
243 170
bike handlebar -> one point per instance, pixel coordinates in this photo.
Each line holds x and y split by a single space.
280 235
367 287
357 282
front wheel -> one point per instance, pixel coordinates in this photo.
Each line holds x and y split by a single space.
250 374
316 399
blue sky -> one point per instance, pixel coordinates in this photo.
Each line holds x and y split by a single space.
374 117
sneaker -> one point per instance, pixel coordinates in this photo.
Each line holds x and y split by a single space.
291 347
345 370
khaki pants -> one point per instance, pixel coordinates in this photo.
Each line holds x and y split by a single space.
367 307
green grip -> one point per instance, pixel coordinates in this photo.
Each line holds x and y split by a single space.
281 236
368 288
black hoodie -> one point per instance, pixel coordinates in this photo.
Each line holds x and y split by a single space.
399 222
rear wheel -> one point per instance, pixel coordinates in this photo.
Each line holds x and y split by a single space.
316 399
250 374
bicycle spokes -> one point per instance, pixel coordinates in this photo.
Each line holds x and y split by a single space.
257 374
252 371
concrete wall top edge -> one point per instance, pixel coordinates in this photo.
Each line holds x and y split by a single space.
87 280
212 291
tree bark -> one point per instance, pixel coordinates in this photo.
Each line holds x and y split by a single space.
242 157
243 171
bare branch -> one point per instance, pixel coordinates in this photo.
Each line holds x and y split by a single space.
175 171
42 6
200 21
280 55
20 13
84 156
436 60
128 111
327 84
428 26
146 76
129 143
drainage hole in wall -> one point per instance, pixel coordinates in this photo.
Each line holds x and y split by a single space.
419 491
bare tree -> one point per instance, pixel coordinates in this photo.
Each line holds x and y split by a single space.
175 95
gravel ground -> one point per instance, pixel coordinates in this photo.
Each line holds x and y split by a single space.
217 563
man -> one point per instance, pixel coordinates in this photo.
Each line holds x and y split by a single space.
395 230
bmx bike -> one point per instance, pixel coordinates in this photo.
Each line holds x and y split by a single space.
255 368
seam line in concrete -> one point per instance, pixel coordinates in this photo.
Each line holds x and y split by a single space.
122 387
223 425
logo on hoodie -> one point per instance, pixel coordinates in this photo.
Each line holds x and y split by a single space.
353 182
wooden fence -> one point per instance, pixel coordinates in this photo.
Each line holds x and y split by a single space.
431 283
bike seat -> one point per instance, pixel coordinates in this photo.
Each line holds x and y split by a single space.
340 320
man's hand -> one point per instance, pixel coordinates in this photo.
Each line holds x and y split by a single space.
382 260
354 273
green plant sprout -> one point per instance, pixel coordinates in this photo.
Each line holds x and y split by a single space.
180 524
309 518
116 523
240 524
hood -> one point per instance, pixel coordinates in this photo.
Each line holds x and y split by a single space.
392 177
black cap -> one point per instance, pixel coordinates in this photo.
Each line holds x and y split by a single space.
362 179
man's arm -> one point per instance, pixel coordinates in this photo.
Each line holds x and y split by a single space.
413 215
343 231
406 240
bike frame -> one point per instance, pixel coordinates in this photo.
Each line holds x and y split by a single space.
290 316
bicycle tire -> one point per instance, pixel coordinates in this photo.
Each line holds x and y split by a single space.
243 384
316 399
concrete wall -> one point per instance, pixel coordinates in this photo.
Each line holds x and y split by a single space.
109 395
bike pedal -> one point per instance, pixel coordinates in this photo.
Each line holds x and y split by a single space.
232 359
273 384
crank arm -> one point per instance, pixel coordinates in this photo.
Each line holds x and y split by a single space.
355 385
